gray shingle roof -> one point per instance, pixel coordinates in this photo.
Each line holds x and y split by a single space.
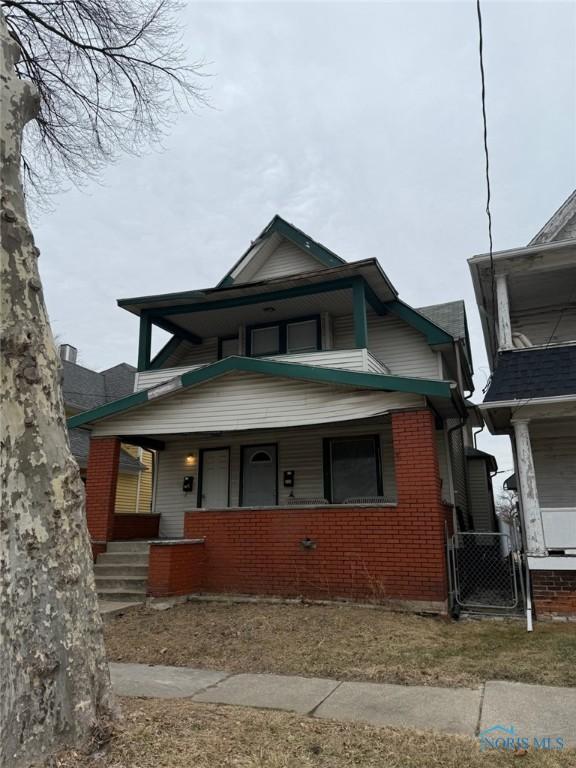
451 316
529 373
83 390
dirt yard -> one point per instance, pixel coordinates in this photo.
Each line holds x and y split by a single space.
179 734
345 643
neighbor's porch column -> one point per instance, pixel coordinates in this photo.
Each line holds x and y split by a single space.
504 324
532 517
359 310
101 481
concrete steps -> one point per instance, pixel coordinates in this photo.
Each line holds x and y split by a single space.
122 571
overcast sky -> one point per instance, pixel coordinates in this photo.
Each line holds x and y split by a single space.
358 122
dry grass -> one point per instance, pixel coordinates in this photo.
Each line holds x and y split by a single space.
179 734
345 643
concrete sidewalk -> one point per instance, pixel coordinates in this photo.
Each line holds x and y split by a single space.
533 710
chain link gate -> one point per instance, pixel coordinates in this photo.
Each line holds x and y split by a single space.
485 572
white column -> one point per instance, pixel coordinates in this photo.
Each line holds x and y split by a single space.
504 325
526 479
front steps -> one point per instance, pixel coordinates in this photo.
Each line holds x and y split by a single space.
122 571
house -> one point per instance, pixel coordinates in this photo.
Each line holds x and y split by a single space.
527 302
84 389
310 429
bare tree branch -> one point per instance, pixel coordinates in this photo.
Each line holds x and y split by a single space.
110 74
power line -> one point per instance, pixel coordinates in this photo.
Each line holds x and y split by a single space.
487 169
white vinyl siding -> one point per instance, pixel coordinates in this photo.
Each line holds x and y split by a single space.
346 359
249 401
554 451
194 354
287 259
399 346
298 450
480 505
442 449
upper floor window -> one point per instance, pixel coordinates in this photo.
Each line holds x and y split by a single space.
227 346
288 336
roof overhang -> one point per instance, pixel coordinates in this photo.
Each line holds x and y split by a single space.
531 259
501 414
443 396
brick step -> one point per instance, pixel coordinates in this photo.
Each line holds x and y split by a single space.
143 547
120 570
135 584
122 558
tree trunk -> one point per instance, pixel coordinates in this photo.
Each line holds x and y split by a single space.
54 680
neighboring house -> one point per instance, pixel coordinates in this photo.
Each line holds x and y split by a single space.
528 316
84 389
311 431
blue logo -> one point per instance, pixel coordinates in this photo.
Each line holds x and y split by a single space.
504 737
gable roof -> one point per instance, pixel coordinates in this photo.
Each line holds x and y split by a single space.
387 383
562 224
324 256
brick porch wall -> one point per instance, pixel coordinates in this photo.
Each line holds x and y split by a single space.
101 480
389 554
554 593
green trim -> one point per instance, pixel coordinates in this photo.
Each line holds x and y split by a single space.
259 298
168 349
434 334
280 226
109 409
166 325
359 312
144 342
341 377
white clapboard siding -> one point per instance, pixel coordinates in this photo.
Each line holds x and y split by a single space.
249 401
555 465
194 354
298 450
480 506
286 259
399 346
346 359
442 448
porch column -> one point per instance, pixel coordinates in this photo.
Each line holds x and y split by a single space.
144 342
534 530
504 324
416 461
359 307
101 481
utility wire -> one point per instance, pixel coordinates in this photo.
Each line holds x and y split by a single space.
487 170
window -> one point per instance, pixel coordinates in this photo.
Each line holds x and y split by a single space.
266 341
261 457
352 468
227 345
302 337
286 336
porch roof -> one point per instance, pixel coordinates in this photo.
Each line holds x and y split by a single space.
443 395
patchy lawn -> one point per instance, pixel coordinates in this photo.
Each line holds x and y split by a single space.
344 642
178 734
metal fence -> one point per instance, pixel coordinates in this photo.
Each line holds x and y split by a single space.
485 571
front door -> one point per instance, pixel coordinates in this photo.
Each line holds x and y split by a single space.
259 476
214 472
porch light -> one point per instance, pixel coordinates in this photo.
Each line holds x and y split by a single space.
191 460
